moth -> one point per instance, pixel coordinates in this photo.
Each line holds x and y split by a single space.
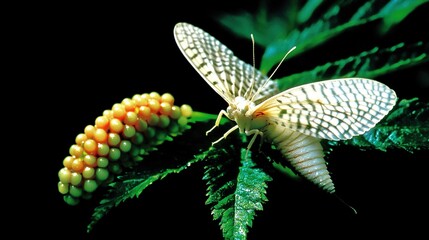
294 120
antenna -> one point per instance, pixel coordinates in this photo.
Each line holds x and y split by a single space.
249 90
343 202
275 70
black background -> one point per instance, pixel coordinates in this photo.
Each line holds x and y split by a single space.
73 61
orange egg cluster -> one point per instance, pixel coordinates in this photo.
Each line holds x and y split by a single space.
119 139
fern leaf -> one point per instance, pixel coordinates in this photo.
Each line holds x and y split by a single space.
156 166
235 194
329 26
132 184
406 128
369 64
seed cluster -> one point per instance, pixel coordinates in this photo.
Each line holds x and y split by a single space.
119 139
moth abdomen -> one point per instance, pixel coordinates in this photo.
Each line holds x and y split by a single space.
305 154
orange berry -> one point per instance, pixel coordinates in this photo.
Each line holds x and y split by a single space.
100 135
78 165
139 100
118 111
144 112
129 104
102 122
153 105
90 146
116 125
67 162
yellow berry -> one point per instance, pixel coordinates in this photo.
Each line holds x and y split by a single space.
64 175
116 125
165 108
76 150
167 98
118 111
186 110
90 160
108 114
130 118
89 131
80 138
75 178
63 188
155 95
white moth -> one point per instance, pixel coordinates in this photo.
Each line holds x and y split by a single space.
294 120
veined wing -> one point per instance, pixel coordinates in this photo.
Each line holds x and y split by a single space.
221 69
334 109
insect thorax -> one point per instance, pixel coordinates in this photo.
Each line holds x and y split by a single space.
240 111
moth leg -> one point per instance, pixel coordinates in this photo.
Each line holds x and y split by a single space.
255 133
225 134
219 117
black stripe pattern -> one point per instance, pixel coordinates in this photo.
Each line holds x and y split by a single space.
221 69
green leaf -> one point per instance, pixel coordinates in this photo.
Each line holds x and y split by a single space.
132 184
330 25
234 192
395 11
368 64
264 25
406 128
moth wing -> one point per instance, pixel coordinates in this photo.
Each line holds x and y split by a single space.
229 76
334 109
